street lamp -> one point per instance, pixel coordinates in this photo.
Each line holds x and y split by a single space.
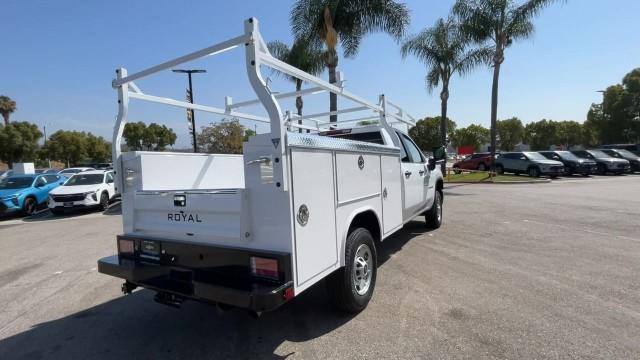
190 98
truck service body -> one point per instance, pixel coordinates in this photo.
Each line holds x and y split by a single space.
254 230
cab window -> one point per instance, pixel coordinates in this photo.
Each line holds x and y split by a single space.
413 154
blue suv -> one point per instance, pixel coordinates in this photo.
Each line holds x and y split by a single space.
26 192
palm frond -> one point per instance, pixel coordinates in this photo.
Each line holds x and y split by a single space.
432 79
473 58
352 20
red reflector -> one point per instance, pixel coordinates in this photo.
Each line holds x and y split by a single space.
288 293
264 267
125 246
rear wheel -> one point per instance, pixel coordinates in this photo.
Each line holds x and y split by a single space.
602 169
351 287
534 172
499 169
482 167
104 201
30 205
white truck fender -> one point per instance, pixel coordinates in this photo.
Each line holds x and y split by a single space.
349 222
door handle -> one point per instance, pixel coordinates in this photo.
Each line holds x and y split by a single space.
407 173
421 172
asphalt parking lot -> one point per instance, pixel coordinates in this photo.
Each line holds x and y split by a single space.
516 272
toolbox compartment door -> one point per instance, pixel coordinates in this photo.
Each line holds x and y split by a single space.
315 228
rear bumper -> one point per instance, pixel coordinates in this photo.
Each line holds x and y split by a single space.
205 273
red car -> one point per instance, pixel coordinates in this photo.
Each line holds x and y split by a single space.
478 161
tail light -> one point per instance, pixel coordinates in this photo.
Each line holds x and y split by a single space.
125 246
264 267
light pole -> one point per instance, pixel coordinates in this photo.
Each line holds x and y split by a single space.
190 98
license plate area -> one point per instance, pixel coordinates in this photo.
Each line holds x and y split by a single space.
68 204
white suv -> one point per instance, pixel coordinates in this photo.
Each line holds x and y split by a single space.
86 189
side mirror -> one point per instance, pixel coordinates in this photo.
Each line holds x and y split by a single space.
431 164
439 153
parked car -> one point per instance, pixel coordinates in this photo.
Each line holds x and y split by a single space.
69 172
606 163
572 163
633 159
478 161
528 162
47 171
86 189
5 173
634 148
26 192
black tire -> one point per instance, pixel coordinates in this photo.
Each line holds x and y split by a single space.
457 171
433 216
342 285
533 172
499 169
104 201
29 206
57 211
482 167
602 169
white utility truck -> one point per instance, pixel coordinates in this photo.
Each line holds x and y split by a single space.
254 230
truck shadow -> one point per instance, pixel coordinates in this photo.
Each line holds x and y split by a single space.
133 326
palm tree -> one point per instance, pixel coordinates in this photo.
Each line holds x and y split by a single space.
498 22
347 21
7 106
445 52
301 55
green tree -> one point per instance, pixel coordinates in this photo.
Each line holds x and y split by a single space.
346 21
67 146
540 135
426 133
472 135
139 136
224 137
511 132
302 55
569 133
19 142
7 106
98 149
133 135
445 52
499 22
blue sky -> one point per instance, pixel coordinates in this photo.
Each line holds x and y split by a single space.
60 57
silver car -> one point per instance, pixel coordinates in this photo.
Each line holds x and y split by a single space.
530 163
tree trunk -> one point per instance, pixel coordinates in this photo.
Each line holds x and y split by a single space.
494 112
5 115
299 103
444 97
332 63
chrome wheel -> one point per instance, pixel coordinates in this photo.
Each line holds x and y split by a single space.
362 269
438 207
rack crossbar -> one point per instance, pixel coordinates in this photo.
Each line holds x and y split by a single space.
211 50
186 105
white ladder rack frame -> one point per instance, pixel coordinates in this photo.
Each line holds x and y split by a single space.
256 54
